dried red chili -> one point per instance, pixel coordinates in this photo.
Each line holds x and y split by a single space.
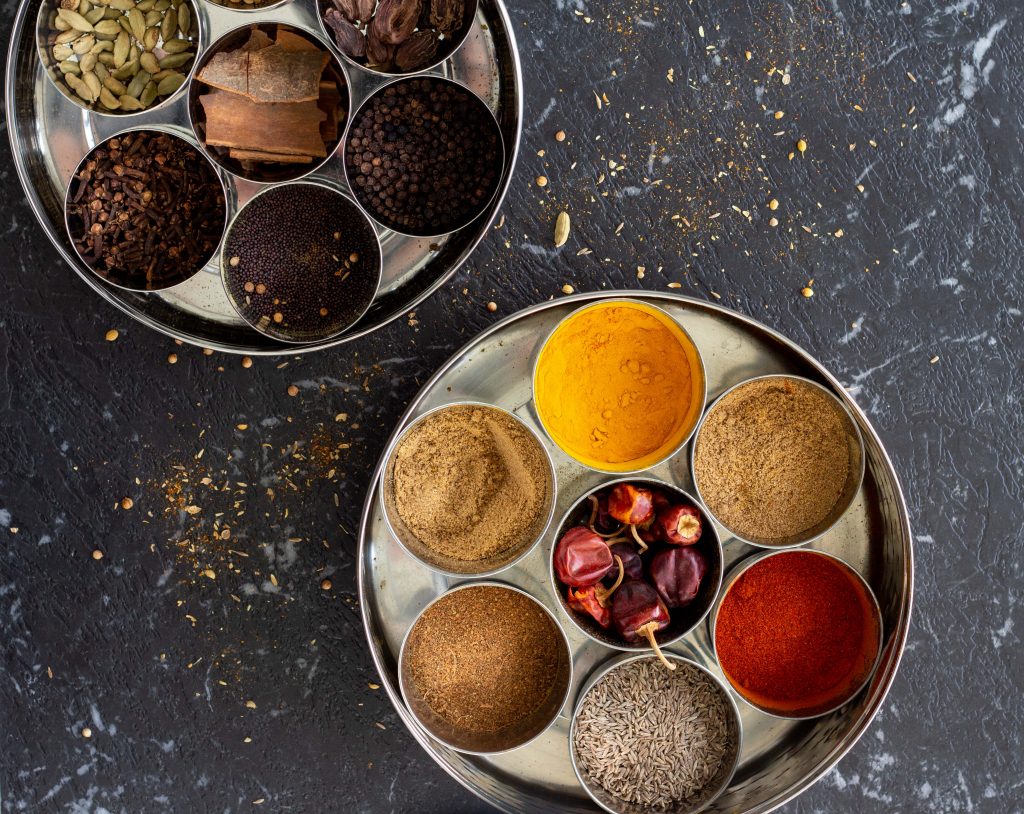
795 632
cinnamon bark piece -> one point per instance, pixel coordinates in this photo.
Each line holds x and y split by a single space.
227 70
262 157
237 122
291 41
279 75
329 101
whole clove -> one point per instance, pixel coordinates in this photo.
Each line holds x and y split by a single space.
146 210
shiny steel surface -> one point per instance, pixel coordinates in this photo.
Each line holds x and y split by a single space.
739 569
779 758
490 743
50 135
611 804
854 478
683 619
485 568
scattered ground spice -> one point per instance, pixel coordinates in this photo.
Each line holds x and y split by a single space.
484 658
772 458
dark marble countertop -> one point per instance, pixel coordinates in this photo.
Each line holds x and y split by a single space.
210 692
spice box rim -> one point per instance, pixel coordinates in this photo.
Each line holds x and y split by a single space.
254 9
741 567
388 457
605 668
855 478
628 298
565 649
469 366
717 567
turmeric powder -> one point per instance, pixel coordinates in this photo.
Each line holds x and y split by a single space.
619 386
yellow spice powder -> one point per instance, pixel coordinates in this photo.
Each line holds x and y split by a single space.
618 386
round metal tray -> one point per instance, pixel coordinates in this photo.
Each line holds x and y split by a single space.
779 758
50 135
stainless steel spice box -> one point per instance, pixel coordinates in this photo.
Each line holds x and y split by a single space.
778 758
50 134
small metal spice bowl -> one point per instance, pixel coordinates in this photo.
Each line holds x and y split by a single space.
698 385
854 478
512 736
874 616
255 168
107 84
354 35
137 278
301 292
359 162
684 619
616 805
436 561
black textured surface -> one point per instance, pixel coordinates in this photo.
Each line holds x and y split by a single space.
928 265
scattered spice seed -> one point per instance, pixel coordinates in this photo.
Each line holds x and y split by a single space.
86 733
246 362
801 145
773 222
97 554
172 358
127 503
207 351
779 114
112 335
839 233
807 291
293 390
325 585
542 181
560 135
773 204
251 704
562 226
933 360
492 306
567 289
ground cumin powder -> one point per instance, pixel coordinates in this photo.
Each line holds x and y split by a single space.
484 658
618 386
471 483
772 458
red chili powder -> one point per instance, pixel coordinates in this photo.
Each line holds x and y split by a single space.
796 632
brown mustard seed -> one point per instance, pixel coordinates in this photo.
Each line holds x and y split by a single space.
484 658
560 135
293 390
97 554
542 181
172 358
807 291
111 335
246 362
325 585
772 458
492 306
86 732
127 503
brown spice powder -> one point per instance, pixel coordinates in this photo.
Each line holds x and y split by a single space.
772 458
484 658
471 483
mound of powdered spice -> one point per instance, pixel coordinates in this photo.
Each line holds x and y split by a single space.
772 458
484 658
656 738
470 483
